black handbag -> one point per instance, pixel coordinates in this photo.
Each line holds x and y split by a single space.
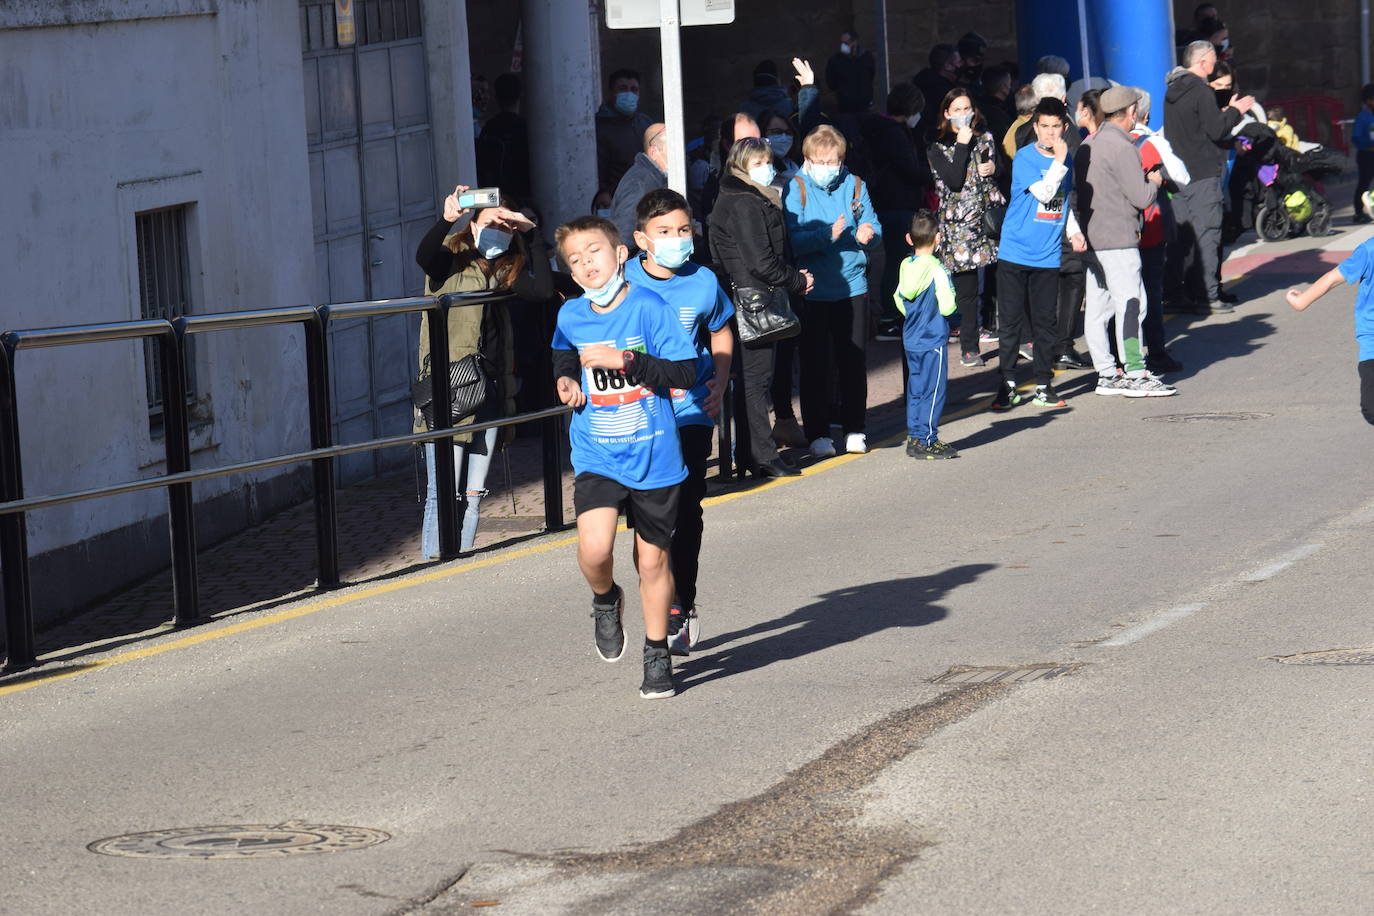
469 384
993 214
764 315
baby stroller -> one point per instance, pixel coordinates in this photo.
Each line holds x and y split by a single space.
1283 185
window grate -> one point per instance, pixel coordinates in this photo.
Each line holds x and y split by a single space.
374 21
163 290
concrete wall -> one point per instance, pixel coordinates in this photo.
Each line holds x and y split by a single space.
105 110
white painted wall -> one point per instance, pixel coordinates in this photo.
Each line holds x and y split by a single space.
97 121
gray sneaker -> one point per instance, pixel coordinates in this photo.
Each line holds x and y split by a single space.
1148 387
1111 385
607 629
658 675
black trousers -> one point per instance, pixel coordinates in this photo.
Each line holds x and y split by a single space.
1367 389
1021 292
784 360
966 300
685 554
1364 161
753 375
1073 282
834 338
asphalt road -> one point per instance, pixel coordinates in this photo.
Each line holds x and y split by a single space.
811 763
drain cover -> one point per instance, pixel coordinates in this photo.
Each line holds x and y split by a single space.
1329 657
1202 417
966 674
245 841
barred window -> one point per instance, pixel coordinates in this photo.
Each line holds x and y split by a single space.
374 21
163 290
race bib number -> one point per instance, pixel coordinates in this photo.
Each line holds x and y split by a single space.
1052 211
610 388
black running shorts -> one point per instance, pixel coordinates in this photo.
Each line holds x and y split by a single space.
651 513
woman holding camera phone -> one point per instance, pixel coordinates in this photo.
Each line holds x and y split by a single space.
498 249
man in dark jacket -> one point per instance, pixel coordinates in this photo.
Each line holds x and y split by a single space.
503 149
768 93
936 81
620 127
898 182
1198 131
649 172
850 73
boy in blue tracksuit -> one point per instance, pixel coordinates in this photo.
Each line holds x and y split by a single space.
832 228
663 235
618 350
925 297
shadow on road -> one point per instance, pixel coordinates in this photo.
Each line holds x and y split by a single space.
833 619
1203 344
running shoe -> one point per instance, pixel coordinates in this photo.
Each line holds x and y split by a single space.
607 629
943 449
987 336
680 630
1007 397
824 447
658 674
970 360
1046 396
1111 385
1027 350
856 444
1148 387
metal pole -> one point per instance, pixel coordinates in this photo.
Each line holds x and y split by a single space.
884 66
449 542
1364 42
670 38
322 436
14 546
725 467
181 515
1083 40
551 432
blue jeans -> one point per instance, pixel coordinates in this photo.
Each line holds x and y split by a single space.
477 465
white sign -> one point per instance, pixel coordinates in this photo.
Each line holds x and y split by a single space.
644 14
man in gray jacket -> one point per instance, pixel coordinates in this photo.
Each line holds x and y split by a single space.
1113 192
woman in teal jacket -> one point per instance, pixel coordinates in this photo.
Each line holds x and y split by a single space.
832 227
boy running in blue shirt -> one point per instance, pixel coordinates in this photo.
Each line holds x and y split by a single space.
1028 257
618 350
1357 268
663 234
925 297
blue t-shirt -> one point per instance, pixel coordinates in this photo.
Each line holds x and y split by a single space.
1359 268
700 303
1362 133
1033 232
625 432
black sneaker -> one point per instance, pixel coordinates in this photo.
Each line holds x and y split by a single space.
607 631
942 449
1046 396
1006 397
1228 298
1165 363
933 451
658 674
681 630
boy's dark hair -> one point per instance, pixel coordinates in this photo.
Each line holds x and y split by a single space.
1367 93
587 224
940 55
624 73
924 227
1050 107
905 100
658 202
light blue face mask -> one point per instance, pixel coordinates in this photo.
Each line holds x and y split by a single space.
604 213
492 243
763 174
602 295
627 103
781 143
823 175
672 253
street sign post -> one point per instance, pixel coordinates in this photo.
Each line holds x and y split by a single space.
668 16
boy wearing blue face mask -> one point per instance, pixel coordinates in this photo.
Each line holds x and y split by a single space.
618 350
664 238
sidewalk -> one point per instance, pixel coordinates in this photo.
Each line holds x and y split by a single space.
379 521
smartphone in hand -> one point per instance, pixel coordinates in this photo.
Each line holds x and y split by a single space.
480 198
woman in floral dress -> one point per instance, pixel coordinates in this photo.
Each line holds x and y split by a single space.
963 159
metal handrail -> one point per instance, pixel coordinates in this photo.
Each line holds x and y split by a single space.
172 337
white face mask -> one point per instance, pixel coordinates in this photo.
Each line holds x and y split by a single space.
602 295
912 121
960 121
763 174
845 47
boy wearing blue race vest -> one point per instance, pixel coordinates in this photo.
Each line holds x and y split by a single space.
925 297
1036 223
618 350
663 235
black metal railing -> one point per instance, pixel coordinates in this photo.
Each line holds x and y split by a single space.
171 339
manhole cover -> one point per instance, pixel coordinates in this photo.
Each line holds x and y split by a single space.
1203 417
244 841
1329 657
1021 674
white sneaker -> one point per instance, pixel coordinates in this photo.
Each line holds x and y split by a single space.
856 444
824 447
